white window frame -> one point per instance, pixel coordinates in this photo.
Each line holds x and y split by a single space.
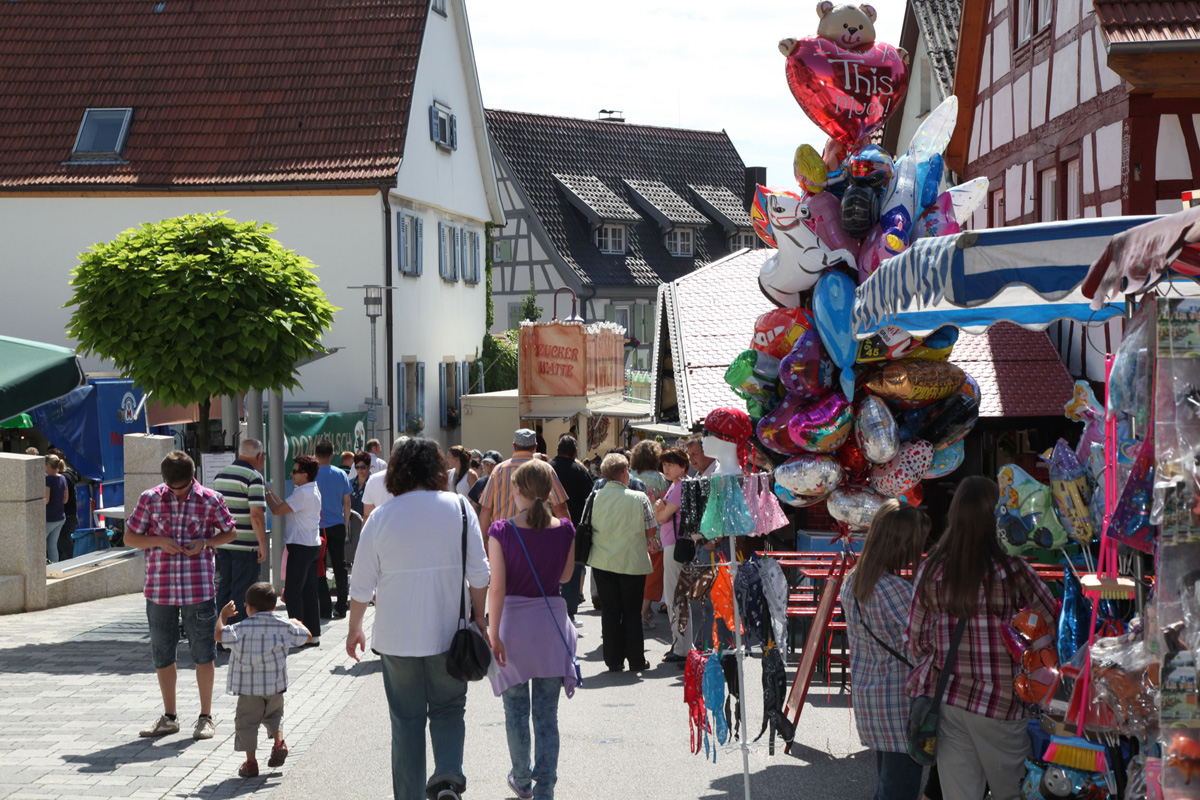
1032 17
628 313
1048 195
681 242
410 244
122 135
443 127
1074 171
438 6
611 239
743 239
997 209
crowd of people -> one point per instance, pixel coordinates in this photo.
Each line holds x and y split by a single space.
468 537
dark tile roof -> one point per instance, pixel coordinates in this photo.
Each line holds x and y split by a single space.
536 147
1123 21
223 91
939 21
597 202
1019 372
664 205
722 205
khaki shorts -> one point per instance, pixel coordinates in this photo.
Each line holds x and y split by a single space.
254 710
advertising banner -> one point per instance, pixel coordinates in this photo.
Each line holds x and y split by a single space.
347 431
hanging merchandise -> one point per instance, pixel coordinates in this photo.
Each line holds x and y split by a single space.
1056 782
774 679
1069 487
713 689
1025 514
775 594
726 513
1073 620
752 606
729 667
693 694
763 505
1033 649
952 419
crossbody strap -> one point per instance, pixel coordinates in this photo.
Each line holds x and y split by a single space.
586 517
863 619
951 657
538 580
462 599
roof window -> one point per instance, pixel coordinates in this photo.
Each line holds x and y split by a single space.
102 134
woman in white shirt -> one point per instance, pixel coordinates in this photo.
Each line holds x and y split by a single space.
462 477
410 559
302 536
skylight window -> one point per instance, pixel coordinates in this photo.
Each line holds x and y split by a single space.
102 134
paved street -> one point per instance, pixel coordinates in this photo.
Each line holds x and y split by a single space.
77 687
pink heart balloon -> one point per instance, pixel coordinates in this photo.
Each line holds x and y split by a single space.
823 426
847 93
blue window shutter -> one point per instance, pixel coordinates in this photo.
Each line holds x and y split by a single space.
443 401
442 249
401 237
421 388
460 385
453 132
480 386
401 398
433 123
419 267
454 267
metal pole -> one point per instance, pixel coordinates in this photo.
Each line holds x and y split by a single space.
741 658
254 415
278 478
374 383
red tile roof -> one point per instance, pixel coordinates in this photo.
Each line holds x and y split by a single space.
1125 21
223 92
1020 374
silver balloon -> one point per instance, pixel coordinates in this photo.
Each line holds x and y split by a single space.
809 474
854 505
876 430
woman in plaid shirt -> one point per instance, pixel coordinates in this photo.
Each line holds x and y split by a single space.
982 738
875 599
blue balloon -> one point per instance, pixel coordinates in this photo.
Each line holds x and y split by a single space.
946 461
929 179
1073 621
911 420
833 307
944 336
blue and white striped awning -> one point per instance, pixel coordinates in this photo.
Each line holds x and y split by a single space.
1029 275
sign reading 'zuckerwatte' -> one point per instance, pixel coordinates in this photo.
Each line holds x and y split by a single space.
568 360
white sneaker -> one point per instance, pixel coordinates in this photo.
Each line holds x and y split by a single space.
161 727
205 728
577 624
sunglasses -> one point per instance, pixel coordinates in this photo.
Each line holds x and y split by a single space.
361 466
299 472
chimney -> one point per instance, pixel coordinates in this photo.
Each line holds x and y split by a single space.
755 176
607 115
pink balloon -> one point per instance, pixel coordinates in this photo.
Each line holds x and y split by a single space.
878 247
847 93
824 426
772 429
936 220
905 470
825 210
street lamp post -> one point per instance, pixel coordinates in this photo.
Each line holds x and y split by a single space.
574 305
373 304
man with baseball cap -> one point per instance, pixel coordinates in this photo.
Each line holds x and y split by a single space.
498 500
489 460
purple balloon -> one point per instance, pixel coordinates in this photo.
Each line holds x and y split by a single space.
824 426
772 430
806 371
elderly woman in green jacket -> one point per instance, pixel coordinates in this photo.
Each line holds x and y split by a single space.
622 521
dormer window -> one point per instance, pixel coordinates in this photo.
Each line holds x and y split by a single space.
743 239
439 6
102 134
611 239
679 242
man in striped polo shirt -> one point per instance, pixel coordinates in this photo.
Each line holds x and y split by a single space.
241 485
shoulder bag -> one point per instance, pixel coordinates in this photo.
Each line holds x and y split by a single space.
583 532
557 627
469 656
863 619
925 712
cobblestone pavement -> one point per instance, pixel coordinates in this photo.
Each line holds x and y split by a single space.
76 686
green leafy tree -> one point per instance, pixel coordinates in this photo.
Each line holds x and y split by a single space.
199 306
530 310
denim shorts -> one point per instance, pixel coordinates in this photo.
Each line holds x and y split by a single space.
199 620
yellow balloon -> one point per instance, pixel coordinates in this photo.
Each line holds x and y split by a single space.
809 169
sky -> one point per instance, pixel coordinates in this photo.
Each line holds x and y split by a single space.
705 64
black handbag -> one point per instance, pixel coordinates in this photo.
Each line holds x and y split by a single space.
925 712
469 656
583 533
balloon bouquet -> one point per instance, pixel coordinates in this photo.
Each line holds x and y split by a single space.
853 422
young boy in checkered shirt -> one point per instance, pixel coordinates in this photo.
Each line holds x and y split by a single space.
258 648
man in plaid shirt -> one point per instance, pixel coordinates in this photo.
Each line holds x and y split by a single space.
258 671
178 523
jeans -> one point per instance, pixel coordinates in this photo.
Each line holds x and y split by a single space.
52 529
621 635
237 570
199 620
335 556
66 545
300 586
544 709
572 590
420 688
899 777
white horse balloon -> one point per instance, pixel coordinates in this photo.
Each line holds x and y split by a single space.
794 225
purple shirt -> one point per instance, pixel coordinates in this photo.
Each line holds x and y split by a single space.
548 548
666 530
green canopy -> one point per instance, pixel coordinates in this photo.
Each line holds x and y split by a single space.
32 373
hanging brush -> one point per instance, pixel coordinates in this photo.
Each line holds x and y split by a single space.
1077 753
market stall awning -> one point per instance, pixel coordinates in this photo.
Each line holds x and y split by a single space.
1031 275
1141 255
32 373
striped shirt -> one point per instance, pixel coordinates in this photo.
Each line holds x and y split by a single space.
242 487
499 495
258 648
982 680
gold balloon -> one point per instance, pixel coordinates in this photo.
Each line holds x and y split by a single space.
911 384
810 171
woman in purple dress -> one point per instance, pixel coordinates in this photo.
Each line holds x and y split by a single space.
532 638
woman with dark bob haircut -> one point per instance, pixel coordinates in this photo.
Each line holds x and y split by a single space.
411 559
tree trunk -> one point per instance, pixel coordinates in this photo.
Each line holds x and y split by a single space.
204 445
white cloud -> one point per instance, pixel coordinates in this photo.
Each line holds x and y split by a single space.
707 65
